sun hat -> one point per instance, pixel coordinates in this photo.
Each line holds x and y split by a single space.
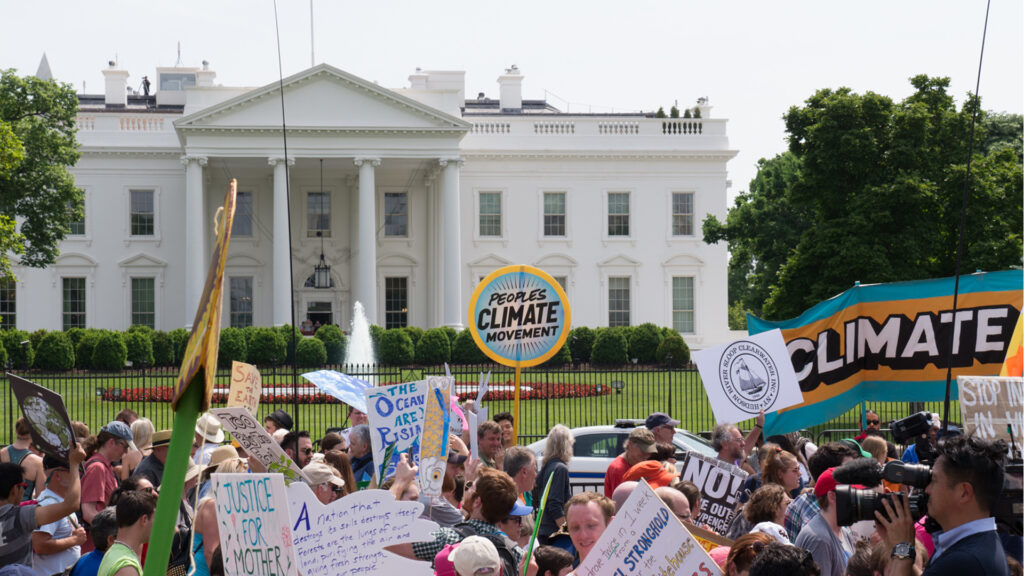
476 555
221 454
644 438
320 473
161 438
192 472
209 427
120 430
281 418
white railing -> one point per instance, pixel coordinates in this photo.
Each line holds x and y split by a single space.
491 128
86 122
555 127
141 124
618 127
682 126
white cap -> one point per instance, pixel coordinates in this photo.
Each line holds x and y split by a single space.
476 556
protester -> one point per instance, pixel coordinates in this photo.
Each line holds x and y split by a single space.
225 460
512 525
102 533
99 480
652 471
622 493
324 481
489 439
766 511
782 468
185 512
475 556
830 544
57 545
521 464
743 551
879 450
781 560
142 434
298 447
730 444
152 466
340 461
133 484
662 426
557 454
134 524
208 436
871 423
205 536
692 493
333 441
277 420
357 417
507 423
403 483
676 502
805 506
587 515
81 430
20 452
552 561
967 480
361 453
638 447
910 455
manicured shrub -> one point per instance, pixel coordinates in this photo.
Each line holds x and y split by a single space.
561 358
163 350
20 355
643 342
433 347
396 348
415 333
3 355
452 333
37 338
375 333
311 353
110 352
55 352
466 350
139 347
610 349
140 328
581 342
75 334
85 348
232 347
179 341
676 346
286 331
334 342
266 347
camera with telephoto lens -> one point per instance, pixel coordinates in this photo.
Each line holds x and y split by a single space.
854 504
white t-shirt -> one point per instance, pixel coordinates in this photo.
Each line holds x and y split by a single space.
50 564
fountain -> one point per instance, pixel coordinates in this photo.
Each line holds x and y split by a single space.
360 345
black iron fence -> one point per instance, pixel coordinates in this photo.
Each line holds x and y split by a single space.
580 395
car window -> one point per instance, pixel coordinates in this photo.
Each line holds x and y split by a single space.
687 441
597 445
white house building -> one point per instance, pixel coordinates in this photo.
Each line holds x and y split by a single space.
414 195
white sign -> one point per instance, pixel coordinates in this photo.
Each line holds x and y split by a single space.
749 375
719 483
395 414
257 442
992 407
434 440
246 386
254 525
646 539
347 536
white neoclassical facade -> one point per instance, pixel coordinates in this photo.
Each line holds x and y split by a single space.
414 194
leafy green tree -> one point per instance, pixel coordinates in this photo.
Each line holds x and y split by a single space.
232 347
396 348
311 353
139 346
334 342
466 351
110 352
55 352
37 146
673 112
433 347
676 346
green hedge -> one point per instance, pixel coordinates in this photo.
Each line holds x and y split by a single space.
676 346
375 333
610 348
415 333
179 341
396 348
266 347
163 350
3 355
86 346
286 331
581 343
334 343
466 350
452 334
433 347
232 347
110 352
560 358
55 352
20 355
311 352
643 342
139 346
36 338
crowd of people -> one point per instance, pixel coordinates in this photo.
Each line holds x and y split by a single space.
92 515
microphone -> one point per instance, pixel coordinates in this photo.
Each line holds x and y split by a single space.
866 471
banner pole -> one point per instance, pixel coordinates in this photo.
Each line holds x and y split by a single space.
515 410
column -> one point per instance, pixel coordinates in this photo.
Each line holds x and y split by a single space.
282 309
195 235
366 250
453 313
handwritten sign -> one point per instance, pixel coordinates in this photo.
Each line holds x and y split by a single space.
255 533
46 415
749 375
347 536
246 386
396 414
348 389
719 484
646 539
434 439
257 442
991 405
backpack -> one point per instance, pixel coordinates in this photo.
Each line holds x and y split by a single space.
503 543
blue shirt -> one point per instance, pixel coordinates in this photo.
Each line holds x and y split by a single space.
910 454
89 565
946 538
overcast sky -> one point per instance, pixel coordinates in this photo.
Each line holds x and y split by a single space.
753 60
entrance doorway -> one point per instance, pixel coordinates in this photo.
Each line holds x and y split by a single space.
320 313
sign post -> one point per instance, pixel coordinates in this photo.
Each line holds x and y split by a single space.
519 316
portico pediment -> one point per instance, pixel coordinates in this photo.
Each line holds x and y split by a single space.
324 98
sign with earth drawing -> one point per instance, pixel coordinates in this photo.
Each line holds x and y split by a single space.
46 415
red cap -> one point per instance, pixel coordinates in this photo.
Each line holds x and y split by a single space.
826 483
650 470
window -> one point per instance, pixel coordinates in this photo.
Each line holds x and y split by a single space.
682 213
598 445
396 214
241 301
682 304
318 214
77 227
142 213
618 301
242 224
74 303
144 302
8 304
618 213
554 213
490 213
396 302
562 281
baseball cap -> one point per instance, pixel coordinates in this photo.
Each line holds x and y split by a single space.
826 483
320 473
645 438
121 430
281 418
475 556
51 462
456 458
442 564
521 509
649 470
660 419
856 447
161 438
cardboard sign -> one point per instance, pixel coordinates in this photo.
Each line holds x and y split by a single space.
749 375
204 341
989 406
254 525
719 482
46 415
396 414
646 539
347 536
246 386
252 437
708 539
348 389
519 316
434 439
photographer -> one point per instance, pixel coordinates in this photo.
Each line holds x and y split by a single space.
966 482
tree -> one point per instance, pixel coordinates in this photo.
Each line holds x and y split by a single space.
37 146
870 190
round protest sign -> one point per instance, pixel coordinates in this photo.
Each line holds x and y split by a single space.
519 316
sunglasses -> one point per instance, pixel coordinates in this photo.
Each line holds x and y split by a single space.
876 422
516 519
307 451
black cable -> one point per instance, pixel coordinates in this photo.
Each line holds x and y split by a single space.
963 219
288 215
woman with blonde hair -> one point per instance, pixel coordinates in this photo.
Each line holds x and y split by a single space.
142 435
557 454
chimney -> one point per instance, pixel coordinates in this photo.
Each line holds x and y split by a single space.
117 85
510 85
204 77
418 80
